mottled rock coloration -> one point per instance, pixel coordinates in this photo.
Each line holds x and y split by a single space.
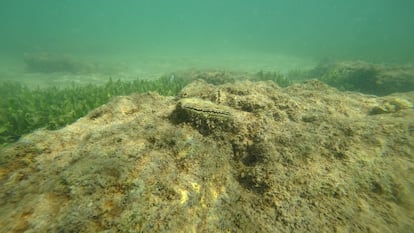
240 157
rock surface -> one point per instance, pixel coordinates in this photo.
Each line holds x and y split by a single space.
365 77
242 157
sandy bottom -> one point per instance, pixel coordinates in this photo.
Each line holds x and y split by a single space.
148 67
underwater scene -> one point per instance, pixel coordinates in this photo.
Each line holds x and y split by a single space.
206 116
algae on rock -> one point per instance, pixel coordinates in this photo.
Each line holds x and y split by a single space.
239 157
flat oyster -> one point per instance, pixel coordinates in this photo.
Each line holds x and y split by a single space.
206 116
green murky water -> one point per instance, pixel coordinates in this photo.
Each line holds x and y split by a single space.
146 36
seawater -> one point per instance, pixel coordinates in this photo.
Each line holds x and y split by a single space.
156 34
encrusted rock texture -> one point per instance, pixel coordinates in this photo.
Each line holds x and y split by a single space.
240 157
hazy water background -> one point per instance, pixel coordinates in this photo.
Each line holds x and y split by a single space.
158 34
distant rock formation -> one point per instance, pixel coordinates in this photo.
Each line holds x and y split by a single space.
369 78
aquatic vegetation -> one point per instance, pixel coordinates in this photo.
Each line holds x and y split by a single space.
276 77
221 77
369 78
216 158
23 110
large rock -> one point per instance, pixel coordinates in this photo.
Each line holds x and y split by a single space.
242 157
369 78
